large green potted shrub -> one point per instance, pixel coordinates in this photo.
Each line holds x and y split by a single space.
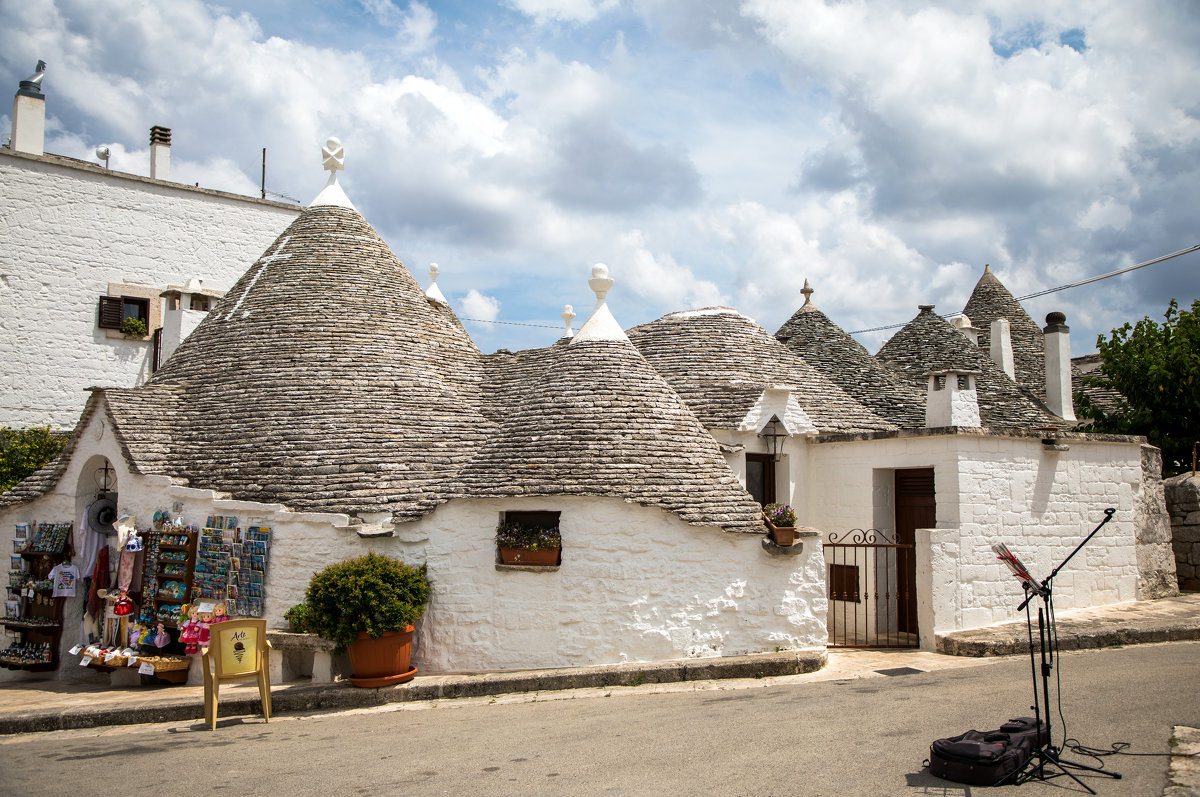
367 606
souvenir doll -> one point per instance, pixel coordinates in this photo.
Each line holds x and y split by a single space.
161 637
220 612
135 635
206 619
189 629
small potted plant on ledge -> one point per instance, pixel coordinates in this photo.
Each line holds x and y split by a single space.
781 520
524 545
134 328
367 606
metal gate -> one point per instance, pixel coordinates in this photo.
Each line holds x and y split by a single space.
872 601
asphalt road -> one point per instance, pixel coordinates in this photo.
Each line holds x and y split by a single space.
856 737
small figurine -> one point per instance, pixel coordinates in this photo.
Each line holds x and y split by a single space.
206 618
189 629
162 638
135 634
220 612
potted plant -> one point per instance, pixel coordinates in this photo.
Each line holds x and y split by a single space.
134 328
781 520
367 606
526 545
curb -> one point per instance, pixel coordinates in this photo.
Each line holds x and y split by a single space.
341 695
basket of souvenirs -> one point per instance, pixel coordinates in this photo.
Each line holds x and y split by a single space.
166 663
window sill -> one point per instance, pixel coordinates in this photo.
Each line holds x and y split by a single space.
529 568
116 334
782 550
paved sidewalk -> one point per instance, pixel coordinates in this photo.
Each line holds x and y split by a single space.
1163 620
30 706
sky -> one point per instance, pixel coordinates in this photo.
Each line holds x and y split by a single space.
709 152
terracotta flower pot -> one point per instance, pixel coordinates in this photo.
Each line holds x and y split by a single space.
521 556
782 535
384 661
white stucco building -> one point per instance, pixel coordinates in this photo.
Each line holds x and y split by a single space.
330 398
83 247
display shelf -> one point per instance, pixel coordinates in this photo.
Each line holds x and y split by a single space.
41 618
159 567
31 626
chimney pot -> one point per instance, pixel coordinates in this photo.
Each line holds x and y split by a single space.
29 114
1058 367
160 152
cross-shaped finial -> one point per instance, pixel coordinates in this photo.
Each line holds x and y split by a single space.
808 292
333 156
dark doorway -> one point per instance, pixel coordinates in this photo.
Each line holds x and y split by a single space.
760 477
915 509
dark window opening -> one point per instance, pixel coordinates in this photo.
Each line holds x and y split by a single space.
533 520
843 583
760 478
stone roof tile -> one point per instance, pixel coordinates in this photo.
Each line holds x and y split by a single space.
720 362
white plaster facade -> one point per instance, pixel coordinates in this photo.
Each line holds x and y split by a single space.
989 488
70 230
635 583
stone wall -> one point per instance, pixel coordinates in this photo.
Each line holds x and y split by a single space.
70 229
1183 505
1156 560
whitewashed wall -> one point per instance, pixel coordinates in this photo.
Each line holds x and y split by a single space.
69 229
635 584
993 489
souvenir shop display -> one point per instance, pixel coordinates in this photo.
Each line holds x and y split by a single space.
169 563
40 579
248 570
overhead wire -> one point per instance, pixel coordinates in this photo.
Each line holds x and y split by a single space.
1069 285
1033 295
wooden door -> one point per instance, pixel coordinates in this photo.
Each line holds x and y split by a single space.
915 509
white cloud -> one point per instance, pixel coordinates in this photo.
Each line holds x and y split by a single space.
577 11
659 278
478 307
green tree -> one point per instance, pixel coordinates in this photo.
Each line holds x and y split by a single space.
1156 369
22 451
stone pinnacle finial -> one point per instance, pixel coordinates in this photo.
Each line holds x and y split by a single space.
808 292
600 282
600 325
333 155
434 292
568 315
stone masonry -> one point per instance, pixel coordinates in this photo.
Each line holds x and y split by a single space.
1183 505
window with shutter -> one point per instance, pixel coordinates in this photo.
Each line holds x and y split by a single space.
112 312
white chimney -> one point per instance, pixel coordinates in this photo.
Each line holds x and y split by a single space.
1058 367
963 324
952 400
160 153
1001 345
29 114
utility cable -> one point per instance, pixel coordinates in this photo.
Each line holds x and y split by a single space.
1069 285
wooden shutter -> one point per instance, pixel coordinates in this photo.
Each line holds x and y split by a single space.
112 312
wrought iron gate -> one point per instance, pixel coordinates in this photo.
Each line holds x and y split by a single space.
872 600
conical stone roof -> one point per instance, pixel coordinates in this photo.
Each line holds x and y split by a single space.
593 418
826 347
720 362
991 300
930 343
325 380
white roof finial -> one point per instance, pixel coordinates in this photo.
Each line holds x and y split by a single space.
333 160
568 315
434 292
600 325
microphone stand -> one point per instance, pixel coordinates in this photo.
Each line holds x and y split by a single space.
1046 753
